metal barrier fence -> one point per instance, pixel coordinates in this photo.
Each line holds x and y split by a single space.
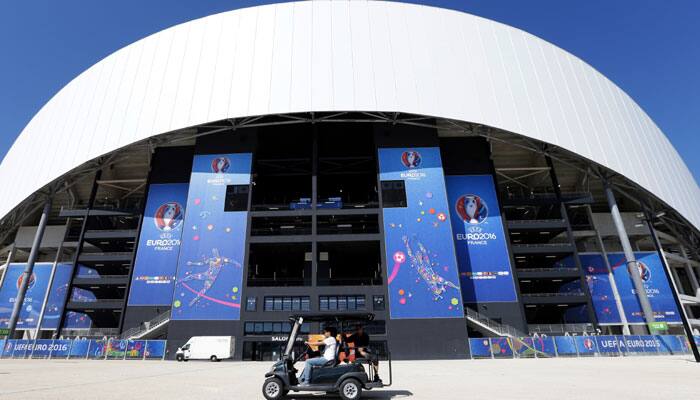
578 346
93 349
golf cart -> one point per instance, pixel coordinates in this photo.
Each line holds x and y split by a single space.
346 378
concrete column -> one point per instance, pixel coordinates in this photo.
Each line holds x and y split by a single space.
29 268
632 265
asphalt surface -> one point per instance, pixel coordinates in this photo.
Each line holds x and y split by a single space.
652 377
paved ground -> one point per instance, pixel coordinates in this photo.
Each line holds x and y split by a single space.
603 378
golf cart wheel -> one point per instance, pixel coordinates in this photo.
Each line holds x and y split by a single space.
350 389
179 358
213 358
273 389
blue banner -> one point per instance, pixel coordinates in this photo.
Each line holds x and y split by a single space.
524 347
135 349
34 297
210 272
116 348
22 348
97 348
501 347
8 348
159 246
57 296
155 349
79 348
544 346
61 348
565 345
423 277
482 251
585 345
42 348
608 344
653 278
480 347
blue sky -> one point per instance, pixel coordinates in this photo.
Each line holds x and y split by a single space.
650 48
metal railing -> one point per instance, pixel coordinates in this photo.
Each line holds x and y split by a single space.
147 326
560 328
493 326
91 333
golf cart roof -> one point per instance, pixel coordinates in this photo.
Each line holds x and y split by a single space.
344 317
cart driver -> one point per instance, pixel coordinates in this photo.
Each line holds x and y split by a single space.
360 341
329 351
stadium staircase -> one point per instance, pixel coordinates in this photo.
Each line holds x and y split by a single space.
490 327
149 329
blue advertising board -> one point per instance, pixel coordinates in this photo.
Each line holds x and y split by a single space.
42 348
608 344
480 347
159 245
116 348
57 296
524 347
22 348
79 348
565 345
544 346
501 347
97 348
155 349
8 348
653 278
34 297
585 345
482 252
423 277
210 272
135 349
61 348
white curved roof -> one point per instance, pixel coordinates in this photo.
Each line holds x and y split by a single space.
345 56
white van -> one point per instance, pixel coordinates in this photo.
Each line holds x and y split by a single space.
214 348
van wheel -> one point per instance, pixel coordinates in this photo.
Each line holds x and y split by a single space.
180 358
213 358
273 389
350 389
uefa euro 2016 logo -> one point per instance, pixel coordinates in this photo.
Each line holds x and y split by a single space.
168 216
220 165
472 209
410 159
644 271
32 280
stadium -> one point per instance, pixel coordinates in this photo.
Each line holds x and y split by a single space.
454 176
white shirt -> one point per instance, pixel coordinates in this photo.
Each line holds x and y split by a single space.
329 351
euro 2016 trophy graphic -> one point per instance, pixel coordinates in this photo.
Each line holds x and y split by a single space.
472 209
168 217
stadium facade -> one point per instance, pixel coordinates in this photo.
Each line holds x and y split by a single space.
452 175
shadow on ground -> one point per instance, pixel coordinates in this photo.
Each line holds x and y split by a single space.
366 394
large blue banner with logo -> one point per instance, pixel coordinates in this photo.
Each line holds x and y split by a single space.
482 252
57 296
209 272
34 297
159 246
423 277
653 278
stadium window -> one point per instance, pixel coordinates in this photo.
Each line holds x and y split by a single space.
251 304
236 198
393 194
342 303
286 303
